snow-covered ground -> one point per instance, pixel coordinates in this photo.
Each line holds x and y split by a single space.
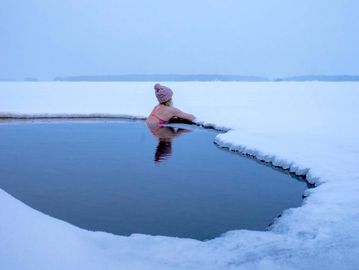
308 127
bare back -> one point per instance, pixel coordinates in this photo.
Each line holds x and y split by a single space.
165 113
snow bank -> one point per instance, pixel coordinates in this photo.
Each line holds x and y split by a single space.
307 127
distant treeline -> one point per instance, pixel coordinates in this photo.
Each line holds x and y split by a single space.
204 77
194 77
327 78
160 77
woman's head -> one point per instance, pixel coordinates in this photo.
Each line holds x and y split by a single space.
163 94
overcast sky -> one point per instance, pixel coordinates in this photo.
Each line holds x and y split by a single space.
48 38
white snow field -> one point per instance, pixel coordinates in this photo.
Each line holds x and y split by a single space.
309 128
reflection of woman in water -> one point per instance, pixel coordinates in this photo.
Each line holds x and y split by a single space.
165 113
165 136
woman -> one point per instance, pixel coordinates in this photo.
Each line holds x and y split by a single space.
164 111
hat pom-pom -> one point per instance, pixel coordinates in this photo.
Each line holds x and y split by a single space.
157 86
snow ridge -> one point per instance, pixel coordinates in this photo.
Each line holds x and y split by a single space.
273 160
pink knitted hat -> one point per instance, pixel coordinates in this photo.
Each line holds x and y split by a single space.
163 93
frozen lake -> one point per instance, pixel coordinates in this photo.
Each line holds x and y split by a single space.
119 177
306 127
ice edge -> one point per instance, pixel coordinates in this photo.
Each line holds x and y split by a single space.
69 116
271 160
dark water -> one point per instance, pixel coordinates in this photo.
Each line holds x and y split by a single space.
118 177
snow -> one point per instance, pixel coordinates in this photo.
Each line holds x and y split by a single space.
307 127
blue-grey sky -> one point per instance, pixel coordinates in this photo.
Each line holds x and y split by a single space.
48 38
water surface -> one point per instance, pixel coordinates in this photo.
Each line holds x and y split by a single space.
119 177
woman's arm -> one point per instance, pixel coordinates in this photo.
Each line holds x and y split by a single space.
178 113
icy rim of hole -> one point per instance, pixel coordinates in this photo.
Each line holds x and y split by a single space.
270 160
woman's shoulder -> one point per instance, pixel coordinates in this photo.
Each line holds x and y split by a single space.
167 111
172 109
